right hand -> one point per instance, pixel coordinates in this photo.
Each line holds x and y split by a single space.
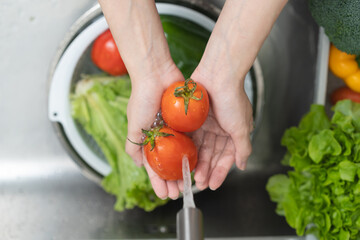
224 138
138 33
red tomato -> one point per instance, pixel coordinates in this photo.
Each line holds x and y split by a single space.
185 106
168 151
344 93
106 56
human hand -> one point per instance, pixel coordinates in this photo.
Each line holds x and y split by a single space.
143 107
138 33
224 138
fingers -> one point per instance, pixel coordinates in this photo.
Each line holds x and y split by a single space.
216 157
141 113
241 138
162 188
134 135
159 185
223 166
243 150
134 151
173 189
180 184
203 165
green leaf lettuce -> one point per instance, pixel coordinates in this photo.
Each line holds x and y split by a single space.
321 195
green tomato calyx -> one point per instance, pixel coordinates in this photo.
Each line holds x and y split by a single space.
186 93
150 136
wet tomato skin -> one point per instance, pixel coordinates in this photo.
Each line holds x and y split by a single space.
173 108
166 157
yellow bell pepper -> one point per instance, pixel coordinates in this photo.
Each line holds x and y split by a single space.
345 66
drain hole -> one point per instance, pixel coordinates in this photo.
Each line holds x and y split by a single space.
162 229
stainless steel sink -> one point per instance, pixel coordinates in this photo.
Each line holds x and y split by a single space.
44 195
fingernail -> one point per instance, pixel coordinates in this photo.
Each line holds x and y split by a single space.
174 198
213 188
201 186
242 166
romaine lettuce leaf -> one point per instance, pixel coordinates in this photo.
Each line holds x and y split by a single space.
99 105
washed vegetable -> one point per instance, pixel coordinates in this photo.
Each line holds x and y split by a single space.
185 106
99 105
341 21
105 55
343 93
321 195
164 150
346 67
187 41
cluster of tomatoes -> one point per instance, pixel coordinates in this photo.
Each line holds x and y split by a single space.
184 106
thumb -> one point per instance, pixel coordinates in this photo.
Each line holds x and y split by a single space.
141 113
243 150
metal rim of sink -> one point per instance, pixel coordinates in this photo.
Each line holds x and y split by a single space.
94 13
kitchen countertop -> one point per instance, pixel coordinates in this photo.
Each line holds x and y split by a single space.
43 194
40 186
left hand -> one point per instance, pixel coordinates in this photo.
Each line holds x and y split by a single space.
224 138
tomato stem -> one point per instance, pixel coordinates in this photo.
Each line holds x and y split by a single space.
151 135
187 93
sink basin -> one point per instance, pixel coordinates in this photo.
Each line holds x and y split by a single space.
48 197
241 207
